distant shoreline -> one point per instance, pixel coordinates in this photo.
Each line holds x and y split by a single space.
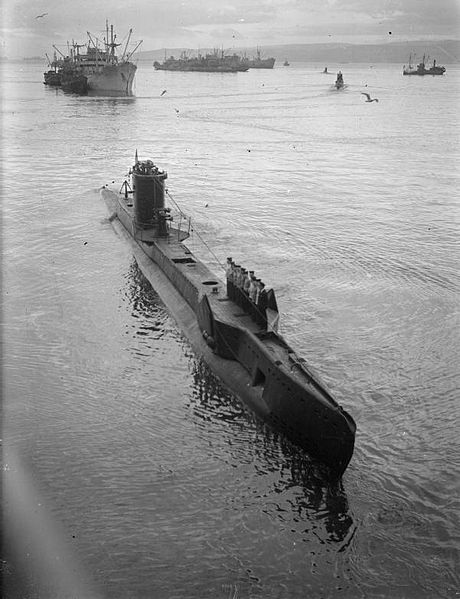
444 51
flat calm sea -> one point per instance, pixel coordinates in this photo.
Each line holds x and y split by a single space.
129 471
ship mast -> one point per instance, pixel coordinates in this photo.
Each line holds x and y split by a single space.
110 45
131 53
56 48
127 42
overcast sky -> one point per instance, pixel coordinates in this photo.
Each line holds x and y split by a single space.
227 23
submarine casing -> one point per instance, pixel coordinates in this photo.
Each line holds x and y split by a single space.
258 365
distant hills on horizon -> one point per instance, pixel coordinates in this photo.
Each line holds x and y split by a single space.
444 51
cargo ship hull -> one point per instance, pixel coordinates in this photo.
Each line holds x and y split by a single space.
257 365
97 70
111 78
217 62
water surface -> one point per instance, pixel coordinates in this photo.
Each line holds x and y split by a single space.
155 480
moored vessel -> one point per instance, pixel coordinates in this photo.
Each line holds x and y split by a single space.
257 62
214 62
73 81
98 69
235 334
422 69
52 77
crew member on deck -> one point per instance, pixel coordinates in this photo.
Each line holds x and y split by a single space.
229 275
237 284
252 296
234 280
256 297
262 307
242 296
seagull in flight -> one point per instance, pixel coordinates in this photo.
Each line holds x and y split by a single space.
41 16
369 99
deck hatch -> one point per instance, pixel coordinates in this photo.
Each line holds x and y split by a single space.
184 260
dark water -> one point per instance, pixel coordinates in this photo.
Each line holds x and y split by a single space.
144 478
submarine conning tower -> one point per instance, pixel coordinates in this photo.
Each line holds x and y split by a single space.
149 196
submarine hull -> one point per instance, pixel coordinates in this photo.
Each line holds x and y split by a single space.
258 366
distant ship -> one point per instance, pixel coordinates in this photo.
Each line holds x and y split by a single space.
99 69
260 63
215 62
233 330
421 68
339 81
53 76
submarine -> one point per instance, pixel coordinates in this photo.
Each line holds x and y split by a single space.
249 356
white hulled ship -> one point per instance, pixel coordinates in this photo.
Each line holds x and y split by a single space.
100 69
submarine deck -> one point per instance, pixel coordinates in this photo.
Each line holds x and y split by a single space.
265 371
224 309
228 311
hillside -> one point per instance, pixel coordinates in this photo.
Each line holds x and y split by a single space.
445 52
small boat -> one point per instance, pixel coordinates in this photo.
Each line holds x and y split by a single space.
52 77
285 63
421 68
233 330
326 71
339 84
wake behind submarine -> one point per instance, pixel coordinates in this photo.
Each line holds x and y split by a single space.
234 331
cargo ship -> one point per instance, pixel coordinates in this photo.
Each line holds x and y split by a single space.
214 62
98 69
239 341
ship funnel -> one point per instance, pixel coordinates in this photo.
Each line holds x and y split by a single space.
149 196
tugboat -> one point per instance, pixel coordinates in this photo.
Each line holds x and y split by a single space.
235 336
52 77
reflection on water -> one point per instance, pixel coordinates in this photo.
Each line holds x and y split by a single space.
93 94
111 94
